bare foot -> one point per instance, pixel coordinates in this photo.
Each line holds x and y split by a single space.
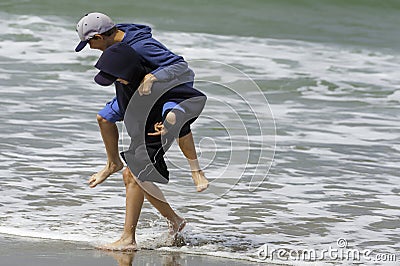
102 175
176 225
200 180
123 244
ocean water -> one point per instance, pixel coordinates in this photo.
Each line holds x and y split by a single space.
300 135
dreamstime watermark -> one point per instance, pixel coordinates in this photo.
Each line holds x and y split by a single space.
339 252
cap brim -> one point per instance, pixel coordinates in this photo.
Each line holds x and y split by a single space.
104 79
81 45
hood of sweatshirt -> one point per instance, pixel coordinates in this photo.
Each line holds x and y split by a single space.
156 56
135 32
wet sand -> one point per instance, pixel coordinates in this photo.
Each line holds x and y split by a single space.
34 252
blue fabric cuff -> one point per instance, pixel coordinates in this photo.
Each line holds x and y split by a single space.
171 105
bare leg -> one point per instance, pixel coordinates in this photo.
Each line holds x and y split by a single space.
109 133
186 144
155 196
134 201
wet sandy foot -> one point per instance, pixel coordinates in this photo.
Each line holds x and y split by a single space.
120 245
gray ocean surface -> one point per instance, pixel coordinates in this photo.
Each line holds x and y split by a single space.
300 135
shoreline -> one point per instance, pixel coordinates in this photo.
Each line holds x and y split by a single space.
18 250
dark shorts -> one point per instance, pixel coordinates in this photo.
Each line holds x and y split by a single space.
145 156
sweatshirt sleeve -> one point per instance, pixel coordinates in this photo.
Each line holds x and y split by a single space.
171 72
167 65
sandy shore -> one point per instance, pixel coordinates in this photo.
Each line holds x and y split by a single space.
34 252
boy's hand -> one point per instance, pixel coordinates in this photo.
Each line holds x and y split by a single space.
146 84
159 129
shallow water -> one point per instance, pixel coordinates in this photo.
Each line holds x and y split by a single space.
300 140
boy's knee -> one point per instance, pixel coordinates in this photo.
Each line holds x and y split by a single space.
128 177
171 118
100 119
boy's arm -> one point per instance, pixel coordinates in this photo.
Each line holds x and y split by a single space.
174 75
168 66
171 69
170 72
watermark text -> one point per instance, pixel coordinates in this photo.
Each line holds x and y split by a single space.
338 252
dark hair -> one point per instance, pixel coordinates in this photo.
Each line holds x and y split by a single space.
110 32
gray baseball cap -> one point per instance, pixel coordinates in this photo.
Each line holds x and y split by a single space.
90 25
